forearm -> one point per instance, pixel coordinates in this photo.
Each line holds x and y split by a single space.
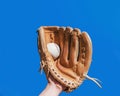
51 90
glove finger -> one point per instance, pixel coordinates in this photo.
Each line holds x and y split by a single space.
66 42
85 50
46 34
74 47
61 38
38 43
41 40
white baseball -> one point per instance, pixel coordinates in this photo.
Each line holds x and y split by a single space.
54 49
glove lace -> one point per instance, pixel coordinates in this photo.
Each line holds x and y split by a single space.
95 80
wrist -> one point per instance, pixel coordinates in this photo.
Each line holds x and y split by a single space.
52 90
55 88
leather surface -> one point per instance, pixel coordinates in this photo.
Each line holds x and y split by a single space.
75 54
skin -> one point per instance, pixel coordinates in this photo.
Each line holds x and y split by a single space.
53 88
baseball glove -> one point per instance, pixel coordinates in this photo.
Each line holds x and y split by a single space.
71 62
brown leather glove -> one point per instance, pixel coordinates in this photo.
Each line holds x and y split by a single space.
70 68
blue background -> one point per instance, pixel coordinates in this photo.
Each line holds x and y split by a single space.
19 58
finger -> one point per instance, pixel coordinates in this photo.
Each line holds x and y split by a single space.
74 47
66 43
85 50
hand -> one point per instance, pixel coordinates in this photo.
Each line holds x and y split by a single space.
53 88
